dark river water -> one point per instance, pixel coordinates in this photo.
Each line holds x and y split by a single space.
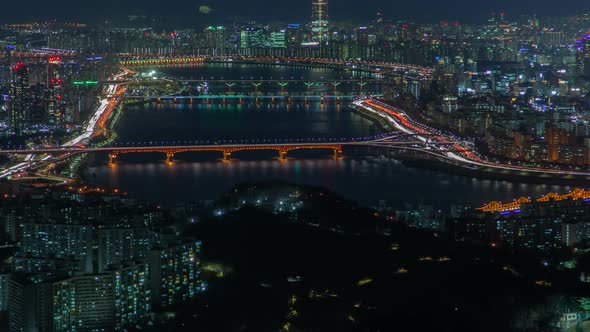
203 176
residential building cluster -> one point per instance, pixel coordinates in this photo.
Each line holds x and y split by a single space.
87 261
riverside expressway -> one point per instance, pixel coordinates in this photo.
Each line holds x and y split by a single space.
449 148
112 96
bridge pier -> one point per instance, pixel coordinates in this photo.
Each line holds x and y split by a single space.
361 85
229 87
338 153
226 155
256 85
112 158
170 157
283 154
283 86
335 85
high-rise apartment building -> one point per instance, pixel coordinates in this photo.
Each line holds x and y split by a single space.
175 274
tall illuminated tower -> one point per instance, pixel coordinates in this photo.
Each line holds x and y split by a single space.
19 110
319 21
55 102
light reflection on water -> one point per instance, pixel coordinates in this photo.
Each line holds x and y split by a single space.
204 177
365 180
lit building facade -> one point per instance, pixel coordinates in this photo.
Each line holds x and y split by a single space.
19 112
59 241
175 274
84 304
319 21
117 246
55 99
132 295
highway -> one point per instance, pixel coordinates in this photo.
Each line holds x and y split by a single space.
106 105
459 153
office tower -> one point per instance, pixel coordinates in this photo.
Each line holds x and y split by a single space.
293 35
278 39
19 111
252 38
55 99
319 21
216 37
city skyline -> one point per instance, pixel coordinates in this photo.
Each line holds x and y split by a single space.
230 166
222 10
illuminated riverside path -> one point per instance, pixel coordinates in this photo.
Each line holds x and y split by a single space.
515 205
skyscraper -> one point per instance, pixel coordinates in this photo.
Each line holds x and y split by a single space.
19 111
55 101
319 21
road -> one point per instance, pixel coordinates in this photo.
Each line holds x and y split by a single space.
112 96
459 151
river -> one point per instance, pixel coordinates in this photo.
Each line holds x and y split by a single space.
203 176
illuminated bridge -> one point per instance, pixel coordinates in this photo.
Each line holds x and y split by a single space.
283 149
495 206
142 60
241 97
259 82
148 61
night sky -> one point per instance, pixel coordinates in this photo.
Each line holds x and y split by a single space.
184 12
